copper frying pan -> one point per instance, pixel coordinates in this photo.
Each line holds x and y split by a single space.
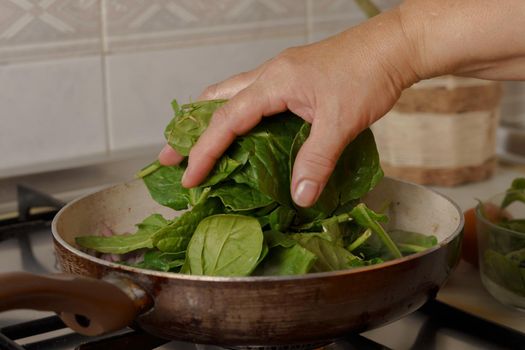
97 296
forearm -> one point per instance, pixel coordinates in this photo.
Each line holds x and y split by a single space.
478 38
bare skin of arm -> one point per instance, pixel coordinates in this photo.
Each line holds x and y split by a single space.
343 84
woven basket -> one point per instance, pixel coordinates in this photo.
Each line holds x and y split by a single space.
442 132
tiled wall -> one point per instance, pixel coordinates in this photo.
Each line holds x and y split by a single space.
84 81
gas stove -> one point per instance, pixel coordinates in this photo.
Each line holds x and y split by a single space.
26 244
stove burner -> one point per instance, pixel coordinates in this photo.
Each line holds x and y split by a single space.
350 342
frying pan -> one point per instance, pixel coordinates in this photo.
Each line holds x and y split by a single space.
95 296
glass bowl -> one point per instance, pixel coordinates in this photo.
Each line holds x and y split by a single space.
501 252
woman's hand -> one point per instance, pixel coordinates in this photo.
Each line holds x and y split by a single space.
341 85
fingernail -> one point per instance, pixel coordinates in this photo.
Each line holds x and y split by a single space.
306 193
183 179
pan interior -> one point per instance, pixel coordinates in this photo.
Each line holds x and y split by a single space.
410 207
416 208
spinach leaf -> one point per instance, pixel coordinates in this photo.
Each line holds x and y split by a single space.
164 185
264 252
516 193
517 256
225 245
281 218
505 243
161 261
412 242
504 271
330 257
358 170
152 223
176 236
189 123
222 171
286 256
125 243
294 260
517 225
164 182
239 197
331 227
278 239
268 146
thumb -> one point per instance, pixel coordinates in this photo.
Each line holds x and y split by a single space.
316 161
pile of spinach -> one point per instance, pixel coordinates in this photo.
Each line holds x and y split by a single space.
504 257
242 221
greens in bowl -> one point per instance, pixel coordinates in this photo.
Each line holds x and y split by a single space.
241 221
500 225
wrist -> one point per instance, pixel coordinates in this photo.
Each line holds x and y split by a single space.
388 47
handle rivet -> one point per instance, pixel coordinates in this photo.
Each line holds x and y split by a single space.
83 321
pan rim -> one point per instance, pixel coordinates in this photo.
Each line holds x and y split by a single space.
258 279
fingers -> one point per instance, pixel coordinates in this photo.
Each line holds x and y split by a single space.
168 156
316 161
229 87
238 116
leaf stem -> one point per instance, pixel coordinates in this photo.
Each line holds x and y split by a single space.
148 170
359 240
411 248
362 215
342 218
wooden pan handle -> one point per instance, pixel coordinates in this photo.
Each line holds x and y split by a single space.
88 306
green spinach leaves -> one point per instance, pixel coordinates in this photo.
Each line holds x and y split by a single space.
242 221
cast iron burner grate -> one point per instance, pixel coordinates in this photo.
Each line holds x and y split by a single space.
28 200
136 340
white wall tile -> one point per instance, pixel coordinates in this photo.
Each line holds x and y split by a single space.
142 85
51 113
35 30
132 25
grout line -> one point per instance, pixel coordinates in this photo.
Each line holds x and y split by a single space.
309 21
105 82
